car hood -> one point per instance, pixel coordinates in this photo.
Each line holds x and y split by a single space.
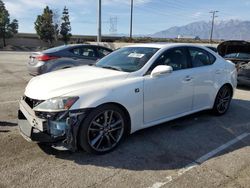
63 82
233 46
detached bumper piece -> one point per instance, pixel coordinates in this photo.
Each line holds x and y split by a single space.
60 130
30 133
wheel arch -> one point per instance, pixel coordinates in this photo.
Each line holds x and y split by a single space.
229 85
214 109
225 84
124 109
121 107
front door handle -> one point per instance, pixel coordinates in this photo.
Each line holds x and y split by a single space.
218 71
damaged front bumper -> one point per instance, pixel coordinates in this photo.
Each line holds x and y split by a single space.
60 129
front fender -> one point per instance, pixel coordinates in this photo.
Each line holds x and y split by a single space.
129 94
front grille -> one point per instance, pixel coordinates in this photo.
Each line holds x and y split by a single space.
32 102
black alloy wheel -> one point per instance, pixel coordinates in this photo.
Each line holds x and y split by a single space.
103 129
222 101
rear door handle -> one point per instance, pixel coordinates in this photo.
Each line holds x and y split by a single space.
188 78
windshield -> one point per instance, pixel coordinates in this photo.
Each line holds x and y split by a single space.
128 59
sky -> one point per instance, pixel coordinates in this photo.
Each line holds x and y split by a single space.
149 16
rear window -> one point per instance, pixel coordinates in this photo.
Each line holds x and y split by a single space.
55 49
201 57
103 52
212 58
83 51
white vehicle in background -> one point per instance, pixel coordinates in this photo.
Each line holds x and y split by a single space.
95 107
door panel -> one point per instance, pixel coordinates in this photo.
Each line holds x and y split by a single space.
203 74
167 96
86 61
203 86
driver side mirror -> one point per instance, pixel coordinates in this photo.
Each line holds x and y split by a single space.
161 70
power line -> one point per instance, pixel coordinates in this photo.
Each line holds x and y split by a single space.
212 27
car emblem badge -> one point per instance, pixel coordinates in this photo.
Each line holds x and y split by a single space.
137 90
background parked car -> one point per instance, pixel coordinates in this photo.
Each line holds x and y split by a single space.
66 56
239 53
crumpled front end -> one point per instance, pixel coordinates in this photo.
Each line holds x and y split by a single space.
244 74
58 128
235 47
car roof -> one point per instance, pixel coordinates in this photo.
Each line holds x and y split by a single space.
84 44
164 45
70 46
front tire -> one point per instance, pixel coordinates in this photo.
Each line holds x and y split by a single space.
222 100
103 129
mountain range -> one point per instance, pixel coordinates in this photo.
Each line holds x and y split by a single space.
226 30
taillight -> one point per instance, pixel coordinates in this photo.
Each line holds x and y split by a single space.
45 57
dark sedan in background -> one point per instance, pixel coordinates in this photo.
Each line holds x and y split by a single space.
66 56
239 53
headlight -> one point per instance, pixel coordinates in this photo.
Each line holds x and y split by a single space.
56 104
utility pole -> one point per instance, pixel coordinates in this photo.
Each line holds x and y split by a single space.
212 28
131 18
99 21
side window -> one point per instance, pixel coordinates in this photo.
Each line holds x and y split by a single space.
176 58
103 52
212 58
200 57
76 51
84 51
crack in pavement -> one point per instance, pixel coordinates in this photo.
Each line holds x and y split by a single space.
105 179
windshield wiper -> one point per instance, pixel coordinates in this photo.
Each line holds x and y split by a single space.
112 68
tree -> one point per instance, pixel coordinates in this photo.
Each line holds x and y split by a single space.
65 26
7 28
44 26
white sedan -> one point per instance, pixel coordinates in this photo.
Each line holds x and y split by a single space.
139 86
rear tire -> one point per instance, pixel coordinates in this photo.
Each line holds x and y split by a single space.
222 100
103 129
